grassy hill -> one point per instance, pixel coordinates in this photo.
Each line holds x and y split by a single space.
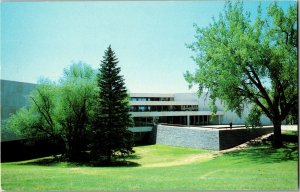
159 167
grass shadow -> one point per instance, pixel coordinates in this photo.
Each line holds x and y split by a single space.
123 163
133 157
45 161
265 153
55 161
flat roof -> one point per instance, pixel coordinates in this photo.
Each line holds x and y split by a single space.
151 95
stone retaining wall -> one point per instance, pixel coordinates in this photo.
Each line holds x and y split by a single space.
188 137
206 138
231 138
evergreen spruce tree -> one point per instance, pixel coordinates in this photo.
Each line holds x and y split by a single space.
112 139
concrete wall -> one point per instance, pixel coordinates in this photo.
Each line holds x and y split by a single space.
206 138
14 95
229 116
203 102
186 97
231 138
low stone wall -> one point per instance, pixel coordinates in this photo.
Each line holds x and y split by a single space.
206 138
202 138
153 135
231 138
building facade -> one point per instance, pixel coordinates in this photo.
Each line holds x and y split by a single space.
185 109
178 109
14 95
147 109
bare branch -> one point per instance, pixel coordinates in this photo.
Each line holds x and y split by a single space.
44 115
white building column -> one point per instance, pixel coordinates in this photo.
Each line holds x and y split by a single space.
188 120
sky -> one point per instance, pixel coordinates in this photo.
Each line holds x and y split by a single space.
40 39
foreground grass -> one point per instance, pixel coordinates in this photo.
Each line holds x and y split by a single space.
160 167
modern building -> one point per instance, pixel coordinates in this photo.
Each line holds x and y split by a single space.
180 109
147 109
179 119
14 95
184 119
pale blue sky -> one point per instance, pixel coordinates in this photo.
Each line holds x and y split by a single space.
40 39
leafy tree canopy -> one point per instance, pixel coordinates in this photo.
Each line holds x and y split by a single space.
61 111
249 62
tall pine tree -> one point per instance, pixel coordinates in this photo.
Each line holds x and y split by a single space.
112 137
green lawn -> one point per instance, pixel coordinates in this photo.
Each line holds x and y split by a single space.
160 167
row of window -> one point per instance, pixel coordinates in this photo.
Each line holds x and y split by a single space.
164 108
180 120
151 99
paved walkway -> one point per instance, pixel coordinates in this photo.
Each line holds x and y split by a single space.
283 127
289 127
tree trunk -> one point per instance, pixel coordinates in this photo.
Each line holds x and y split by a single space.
277 139
108 156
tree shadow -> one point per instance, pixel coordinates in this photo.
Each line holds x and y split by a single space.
55 161
122 163
46 161
127 161
133 157
265 153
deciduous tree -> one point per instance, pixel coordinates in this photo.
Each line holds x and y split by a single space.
250 62
76 108
61 111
